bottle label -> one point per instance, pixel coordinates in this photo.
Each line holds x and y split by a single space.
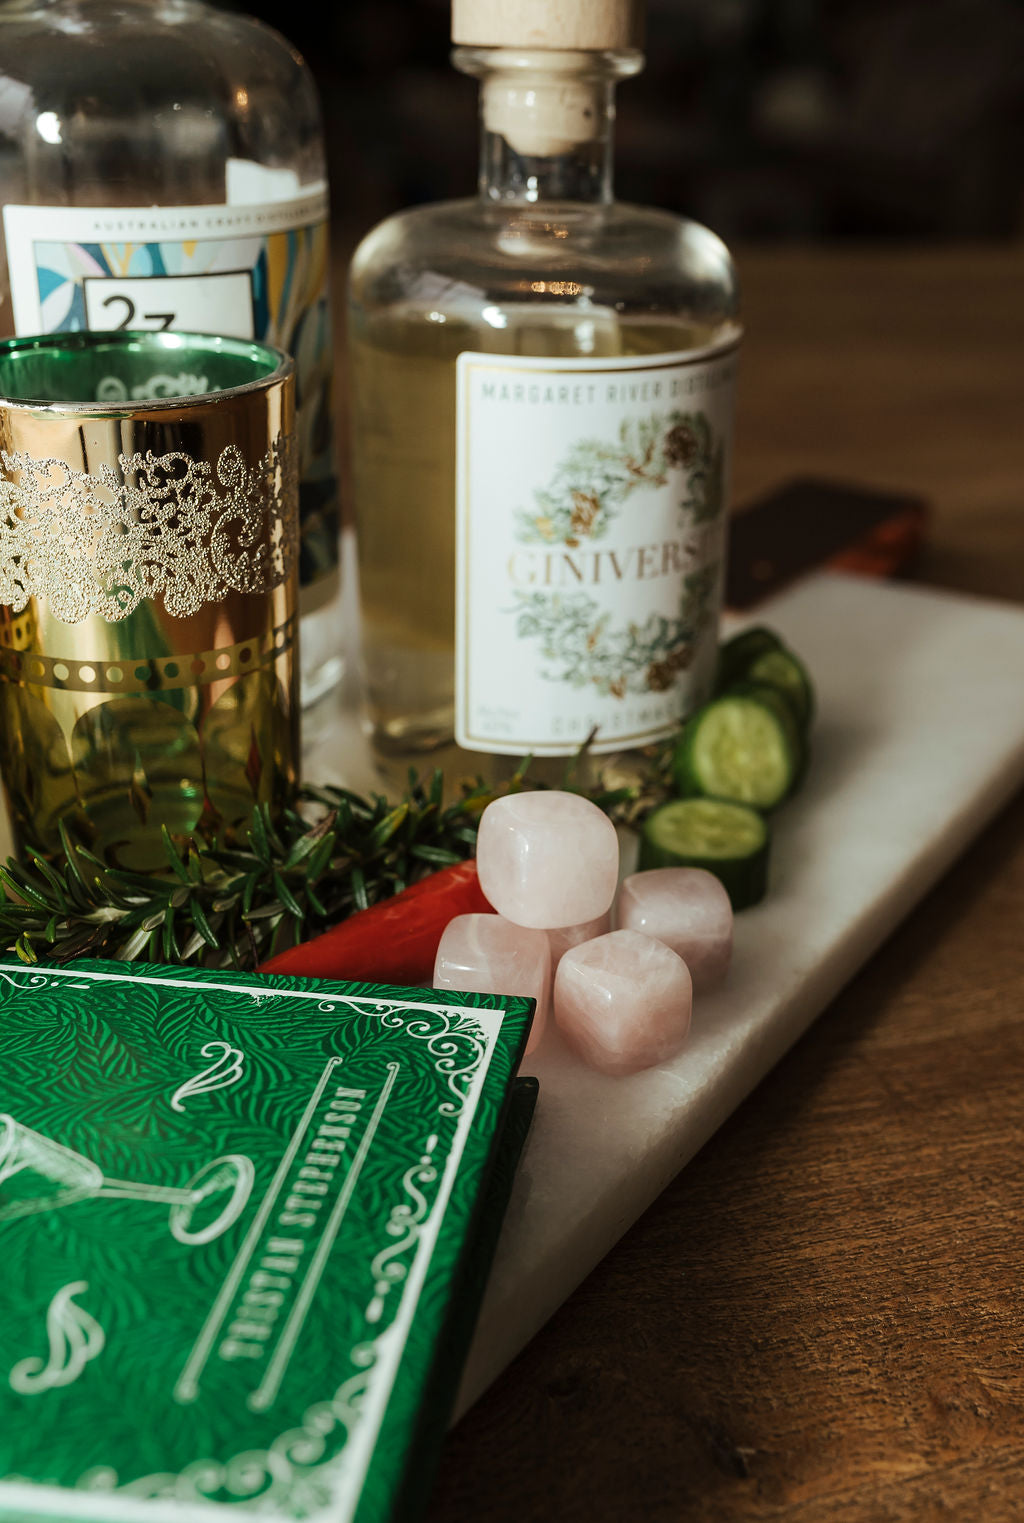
256 271
590 546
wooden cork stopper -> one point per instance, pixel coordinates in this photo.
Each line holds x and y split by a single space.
585 25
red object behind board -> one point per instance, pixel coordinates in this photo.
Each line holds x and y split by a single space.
394 941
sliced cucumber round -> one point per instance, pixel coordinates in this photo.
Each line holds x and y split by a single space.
743 746
781 669
727 839
736 656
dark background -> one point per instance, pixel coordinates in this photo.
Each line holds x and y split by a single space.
766 119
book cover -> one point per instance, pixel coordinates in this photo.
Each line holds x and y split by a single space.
235 1219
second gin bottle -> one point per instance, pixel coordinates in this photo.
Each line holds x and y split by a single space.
542 384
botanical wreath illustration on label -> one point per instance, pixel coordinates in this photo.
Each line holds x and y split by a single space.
636 658
587 495
596 477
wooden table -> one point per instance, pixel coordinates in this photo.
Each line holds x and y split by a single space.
822 1318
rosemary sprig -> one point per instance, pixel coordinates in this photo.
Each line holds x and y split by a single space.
218 906
233 906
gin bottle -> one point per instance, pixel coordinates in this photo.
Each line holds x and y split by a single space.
162 166
542 385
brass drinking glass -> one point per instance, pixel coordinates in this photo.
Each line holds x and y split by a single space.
148 536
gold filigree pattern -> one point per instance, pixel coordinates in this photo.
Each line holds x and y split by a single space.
160 526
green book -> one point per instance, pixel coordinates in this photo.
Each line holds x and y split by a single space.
243 1226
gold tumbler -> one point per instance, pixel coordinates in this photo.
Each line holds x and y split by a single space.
148 632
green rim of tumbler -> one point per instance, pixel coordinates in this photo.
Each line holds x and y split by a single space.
107 375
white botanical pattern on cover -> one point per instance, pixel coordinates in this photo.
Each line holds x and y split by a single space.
288 1476
405 1222
456 1039
163 526
32 983
226 1069
74 1337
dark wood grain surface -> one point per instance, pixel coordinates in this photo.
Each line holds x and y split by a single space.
823 1317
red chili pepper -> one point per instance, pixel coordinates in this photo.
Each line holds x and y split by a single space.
393 942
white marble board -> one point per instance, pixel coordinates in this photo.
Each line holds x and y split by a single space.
919 741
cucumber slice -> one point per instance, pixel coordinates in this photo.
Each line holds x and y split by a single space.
743 746
798 736
781 669
727 839
737 655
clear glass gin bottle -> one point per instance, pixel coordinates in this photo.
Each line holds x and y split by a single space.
542 412
162 166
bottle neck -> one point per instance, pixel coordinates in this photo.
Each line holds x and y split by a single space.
547 123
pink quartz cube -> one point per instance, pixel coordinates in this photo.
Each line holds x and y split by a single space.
623 1001
686 908
547 859
573 935
486 954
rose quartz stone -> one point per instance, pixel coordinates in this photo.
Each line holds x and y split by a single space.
547 859
623 1001
573 935
686 908
486 954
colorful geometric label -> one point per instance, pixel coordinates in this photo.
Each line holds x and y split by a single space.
243 271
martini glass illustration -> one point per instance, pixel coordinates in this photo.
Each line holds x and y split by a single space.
38 1174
